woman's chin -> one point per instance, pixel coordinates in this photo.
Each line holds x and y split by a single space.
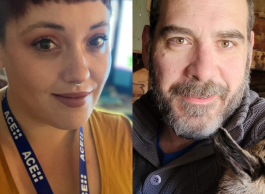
67 120
70 123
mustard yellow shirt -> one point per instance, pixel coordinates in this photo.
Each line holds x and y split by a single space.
113 141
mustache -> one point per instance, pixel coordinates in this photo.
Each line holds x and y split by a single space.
194 88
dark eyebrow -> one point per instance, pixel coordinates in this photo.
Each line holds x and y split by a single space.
185 31
100 24
57 26
175 29
43 25
231 34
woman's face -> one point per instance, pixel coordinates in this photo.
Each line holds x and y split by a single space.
50 49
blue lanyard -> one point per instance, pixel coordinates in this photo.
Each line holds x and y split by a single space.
30 160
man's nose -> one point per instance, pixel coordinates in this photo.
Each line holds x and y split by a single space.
203 65
77 69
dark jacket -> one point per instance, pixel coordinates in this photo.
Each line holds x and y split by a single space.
198 171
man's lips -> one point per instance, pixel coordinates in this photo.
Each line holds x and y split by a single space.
200 100
73 100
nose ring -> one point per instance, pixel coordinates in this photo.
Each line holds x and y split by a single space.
78 84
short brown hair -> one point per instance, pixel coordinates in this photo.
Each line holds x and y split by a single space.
155 11
17 8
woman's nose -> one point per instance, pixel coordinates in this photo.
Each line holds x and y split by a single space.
77 67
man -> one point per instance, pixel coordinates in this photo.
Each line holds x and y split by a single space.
198 54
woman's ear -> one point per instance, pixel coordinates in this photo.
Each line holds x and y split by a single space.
1 56
145 46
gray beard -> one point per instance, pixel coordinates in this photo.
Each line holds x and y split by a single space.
195 123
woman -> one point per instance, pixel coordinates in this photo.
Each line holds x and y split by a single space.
57 59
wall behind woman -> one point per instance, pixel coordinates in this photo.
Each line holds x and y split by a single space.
117 93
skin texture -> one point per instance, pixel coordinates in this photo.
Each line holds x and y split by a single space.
201 55
34 75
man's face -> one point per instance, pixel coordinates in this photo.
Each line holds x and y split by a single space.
199 56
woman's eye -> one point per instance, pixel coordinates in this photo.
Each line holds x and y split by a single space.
45 45
97 42
226 44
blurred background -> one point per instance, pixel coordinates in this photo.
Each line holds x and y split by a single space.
117 93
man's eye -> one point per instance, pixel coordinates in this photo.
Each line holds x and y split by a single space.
97 42
180 40
226 44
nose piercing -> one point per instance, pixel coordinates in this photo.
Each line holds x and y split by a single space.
78 84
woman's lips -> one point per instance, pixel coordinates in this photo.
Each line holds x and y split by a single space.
72 100
199 100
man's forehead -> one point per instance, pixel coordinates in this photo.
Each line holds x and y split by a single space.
215 3
203 12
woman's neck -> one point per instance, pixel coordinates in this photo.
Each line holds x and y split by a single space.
39 134
57 151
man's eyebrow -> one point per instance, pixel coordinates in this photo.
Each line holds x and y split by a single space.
185 31
231 34
175 29
43 25
100 24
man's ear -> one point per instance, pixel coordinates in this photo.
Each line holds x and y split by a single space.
252 45
145 46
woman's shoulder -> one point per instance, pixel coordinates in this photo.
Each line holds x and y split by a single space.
109 119
110 129
113 139
6 180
